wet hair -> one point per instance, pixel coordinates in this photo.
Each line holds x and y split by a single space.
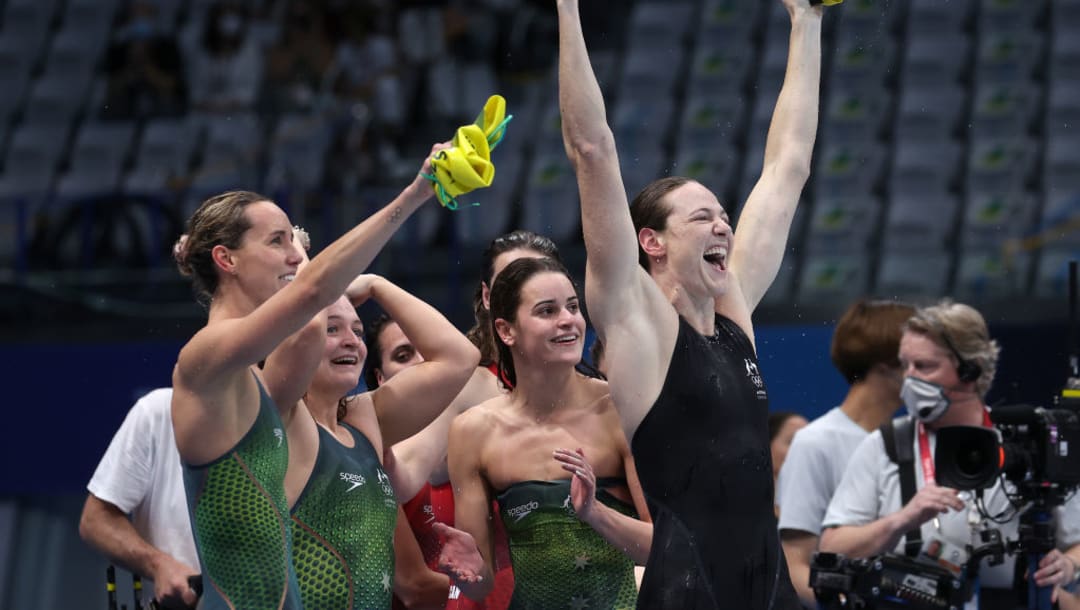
962 332
866 335
372 331
343 406
481 334
506 298
648 210
777 420
219 221
596 352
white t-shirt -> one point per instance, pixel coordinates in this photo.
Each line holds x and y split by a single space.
870 490
813 469
140 474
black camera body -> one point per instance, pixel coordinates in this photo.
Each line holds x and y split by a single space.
1034 447
885 582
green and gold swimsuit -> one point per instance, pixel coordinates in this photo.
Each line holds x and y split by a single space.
558 560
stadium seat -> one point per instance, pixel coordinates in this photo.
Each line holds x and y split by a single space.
31 159
550 204
298 151
831 278
843 224
989 275
913 275
710 120
164 154
919 221
991 218
97 158
930 112
1000 163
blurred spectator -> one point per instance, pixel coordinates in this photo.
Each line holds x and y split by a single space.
297 65
365 71
226 62
782 428
864 350
144 69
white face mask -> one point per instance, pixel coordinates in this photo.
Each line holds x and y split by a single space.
924 400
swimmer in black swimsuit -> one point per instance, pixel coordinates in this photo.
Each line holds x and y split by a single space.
680 351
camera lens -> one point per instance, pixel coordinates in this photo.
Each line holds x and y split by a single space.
971 462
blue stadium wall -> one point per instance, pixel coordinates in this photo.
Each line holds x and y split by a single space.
78 394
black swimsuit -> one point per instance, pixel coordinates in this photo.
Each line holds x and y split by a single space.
702 455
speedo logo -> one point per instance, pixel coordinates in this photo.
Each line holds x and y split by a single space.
523 510
355 479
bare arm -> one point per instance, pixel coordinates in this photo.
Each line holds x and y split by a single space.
413 398
472 511
106 528
625 304
799 548
290 367
416 457
219 351
765 221
609 233
862 540
417 585
883 534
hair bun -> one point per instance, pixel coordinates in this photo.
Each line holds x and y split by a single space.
180 252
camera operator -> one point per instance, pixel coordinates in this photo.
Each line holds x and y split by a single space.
949 362
864 348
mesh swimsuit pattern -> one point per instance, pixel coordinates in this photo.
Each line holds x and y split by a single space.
239 516
558 560
343 530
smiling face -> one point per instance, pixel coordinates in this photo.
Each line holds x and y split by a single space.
549 327
343 359
397 353
694 245
268 256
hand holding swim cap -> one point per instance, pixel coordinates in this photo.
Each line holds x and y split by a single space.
466 165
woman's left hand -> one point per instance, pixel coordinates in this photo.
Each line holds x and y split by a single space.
582 483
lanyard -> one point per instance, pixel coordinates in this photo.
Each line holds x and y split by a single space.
924 449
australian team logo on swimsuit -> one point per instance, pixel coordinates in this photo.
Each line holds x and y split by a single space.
388 489
752 372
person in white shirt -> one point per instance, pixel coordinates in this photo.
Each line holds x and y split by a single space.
949 362
863 350
139 476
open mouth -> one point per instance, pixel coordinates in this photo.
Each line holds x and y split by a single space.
717 257
288 277
565 339
345 360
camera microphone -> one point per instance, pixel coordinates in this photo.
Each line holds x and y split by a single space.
1013 415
